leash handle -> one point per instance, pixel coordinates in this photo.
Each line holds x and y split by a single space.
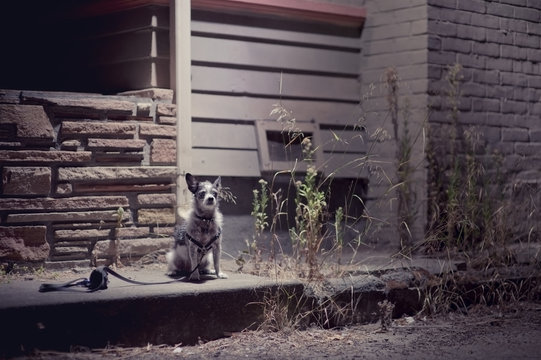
64 286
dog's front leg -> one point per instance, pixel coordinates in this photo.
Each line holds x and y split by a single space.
216 254
195 262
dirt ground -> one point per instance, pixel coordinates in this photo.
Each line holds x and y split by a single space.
484 333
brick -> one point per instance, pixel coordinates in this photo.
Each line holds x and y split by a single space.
64 189
533 29
81 234
163 151
510 25
103 188
471 32
471 61
514 107
455 16
24 243
484 20
144 110
451 4
130 248
442 28
85 128
131 232
527 14
515 135
535 135
83 202
473 89
70 216
26 180
502 10
486 77
442 58
31 121
500 92
534 82
536 4
167 120
71 145
66 104
528 149
434 43
157 130
456 45
526 94
116 173
526 40
45 156
513 52
156 199
163 109
515 2
509 78
499 64
487 49
534 55
156 216
122 144
500 37
155 94
535 109
472 5
490 105
491 134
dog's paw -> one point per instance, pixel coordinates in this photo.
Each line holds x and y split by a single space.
207 272
222 275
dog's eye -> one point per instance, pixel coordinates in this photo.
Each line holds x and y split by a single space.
214 193
201 194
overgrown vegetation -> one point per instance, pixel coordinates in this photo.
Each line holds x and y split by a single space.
469 215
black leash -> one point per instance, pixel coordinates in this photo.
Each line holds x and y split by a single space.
99 277
98 280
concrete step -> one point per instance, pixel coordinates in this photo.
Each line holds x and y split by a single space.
186 312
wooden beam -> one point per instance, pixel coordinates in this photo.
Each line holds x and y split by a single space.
343 15
296 9
183 93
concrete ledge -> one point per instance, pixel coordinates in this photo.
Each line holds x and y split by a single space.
130 315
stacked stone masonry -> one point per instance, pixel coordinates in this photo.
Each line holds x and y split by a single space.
86 174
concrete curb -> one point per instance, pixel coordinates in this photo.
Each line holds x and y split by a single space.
185 312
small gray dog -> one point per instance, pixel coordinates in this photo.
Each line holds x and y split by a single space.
198 242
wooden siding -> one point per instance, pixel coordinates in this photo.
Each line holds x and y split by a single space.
240 72
247 56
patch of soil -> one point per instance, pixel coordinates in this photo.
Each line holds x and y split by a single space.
484 333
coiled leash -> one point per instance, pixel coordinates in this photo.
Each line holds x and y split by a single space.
98 280
99 277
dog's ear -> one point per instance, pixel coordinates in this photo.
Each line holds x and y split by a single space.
218 182
192 182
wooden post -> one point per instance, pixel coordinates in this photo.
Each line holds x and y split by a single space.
180 11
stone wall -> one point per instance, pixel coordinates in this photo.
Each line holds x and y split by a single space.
85 174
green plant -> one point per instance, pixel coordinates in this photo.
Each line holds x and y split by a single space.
260 204
310 205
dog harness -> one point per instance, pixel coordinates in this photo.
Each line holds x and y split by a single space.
203 249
